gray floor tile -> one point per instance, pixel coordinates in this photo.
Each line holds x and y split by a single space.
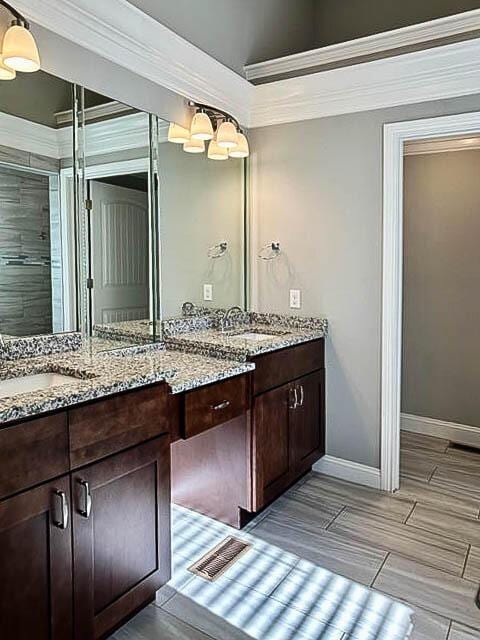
255 615
469 455
416 465
429 588
314 512
354 609
472 567
347 494
465 529
438 496
347 557
431 548
153 623
416 441
465 483
428 625
460 632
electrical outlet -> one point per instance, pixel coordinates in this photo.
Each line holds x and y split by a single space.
295 299
208 292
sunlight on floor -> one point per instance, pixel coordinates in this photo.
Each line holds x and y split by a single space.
272 594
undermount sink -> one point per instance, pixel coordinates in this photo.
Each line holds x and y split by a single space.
37 382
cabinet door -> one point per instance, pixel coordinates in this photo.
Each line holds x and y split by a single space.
271 444
121 535
36 564
307 434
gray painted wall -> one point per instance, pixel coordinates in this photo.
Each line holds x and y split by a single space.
340 21
441 351
318 191
237 32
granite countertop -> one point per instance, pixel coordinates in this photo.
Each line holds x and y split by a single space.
101 374
285 331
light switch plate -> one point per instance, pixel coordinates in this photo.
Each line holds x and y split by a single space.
295 299
208 292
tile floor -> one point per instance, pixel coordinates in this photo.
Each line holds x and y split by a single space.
318 548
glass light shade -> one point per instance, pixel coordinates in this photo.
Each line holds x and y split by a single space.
217 153
194 146
241 150
5 72
201 128
20 50
227 135
178 134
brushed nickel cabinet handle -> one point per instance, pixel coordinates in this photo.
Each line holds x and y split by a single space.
302 395
293 398
87 499
222 405
63 522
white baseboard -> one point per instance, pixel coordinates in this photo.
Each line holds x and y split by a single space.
461 433
349 471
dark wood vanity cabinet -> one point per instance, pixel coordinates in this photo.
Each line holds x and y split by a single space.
36 564
84 546
121 535
288 435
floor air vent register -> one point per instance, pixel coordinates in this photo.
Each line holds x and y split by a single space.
214 563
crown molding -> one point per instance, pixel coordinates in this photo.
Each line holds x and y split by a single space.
447 145
374 45
123 34
443 72
101 111
18 133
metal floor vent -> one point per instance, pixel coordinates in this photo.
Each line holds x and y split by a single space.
219 559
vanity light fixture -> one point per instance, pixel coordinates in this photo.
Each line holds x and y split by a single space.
5 72
19 50
226 139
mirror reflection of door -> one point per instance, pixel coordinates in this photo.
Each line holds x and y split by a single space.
119 248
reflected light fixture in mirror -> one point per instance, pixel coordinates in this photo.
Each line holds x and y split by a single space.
194 146
242 149
19 49
178 134
217 153
227 135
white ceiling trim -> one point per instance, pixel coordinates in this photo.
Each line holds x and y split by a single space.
421 147
414 35
121 33
444 72
18 133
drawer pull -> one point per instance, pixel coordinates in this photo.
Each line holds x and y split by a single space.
63 523
87 499
302 395
222 405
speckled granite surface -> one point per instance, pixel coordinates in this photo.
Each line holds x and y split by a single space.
32 346
102 374
286 331
137 331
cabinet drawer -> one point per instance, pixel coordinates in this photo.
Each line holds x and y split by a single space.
33 452
108 426
213 405
279 367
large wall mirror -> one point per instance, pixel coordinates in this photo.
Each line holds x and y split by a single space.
202 230
38 292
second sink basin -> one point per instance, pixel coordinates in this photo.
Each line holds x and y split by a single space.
37 382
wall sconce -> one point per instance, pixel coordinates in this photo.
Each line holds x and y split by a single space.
222 132
19 49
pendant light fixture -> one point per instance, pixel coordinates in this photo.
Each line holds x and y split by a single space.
226 138
202 128
242 149
19 49
5 72
227 135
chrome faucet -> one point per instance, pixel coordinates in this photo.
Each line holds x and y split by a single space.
228 318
